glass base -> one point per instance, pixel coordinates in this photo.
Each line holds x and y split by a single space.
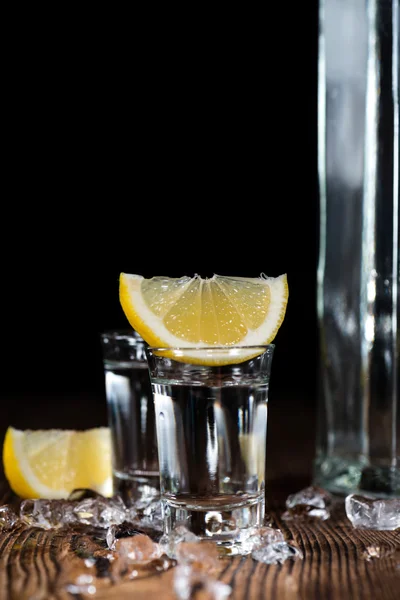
227 525
342 477
136 487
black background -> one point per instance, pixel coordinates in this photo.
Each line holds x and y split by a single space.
157 147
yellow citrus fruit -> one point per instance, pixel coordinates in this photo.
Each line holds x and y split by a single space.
190 312
51 463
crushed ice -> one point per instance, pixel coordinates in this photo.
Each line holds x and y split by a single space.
203 556
268 545
312 501
170 542
277 552
8 518
90 509
197 563
139 549
131 548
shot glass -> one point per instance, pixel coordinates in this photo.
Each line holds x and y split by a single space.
211 429
130 416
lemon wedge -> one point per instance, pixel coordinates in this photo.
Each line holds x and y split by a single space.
51 463
193 312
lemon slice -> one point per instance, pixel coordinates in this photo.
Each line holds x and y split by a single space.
51 463
192 312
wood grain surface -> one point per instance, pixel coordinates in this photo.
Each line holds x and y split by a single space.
39 565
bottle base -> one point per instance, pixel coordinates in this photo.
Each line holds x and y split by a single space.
342 477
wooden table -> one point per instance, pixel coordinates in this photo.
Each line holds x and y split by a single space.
37 564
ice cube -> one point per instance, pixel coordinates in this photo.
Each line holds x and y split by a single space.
259 536
373 513
276 552
312 495
187 579
47 514
203 555
138 549
8 518
169 542
309 502
99 512
134 555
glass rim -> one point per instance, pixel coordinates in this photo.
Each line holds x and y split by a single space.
209 348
